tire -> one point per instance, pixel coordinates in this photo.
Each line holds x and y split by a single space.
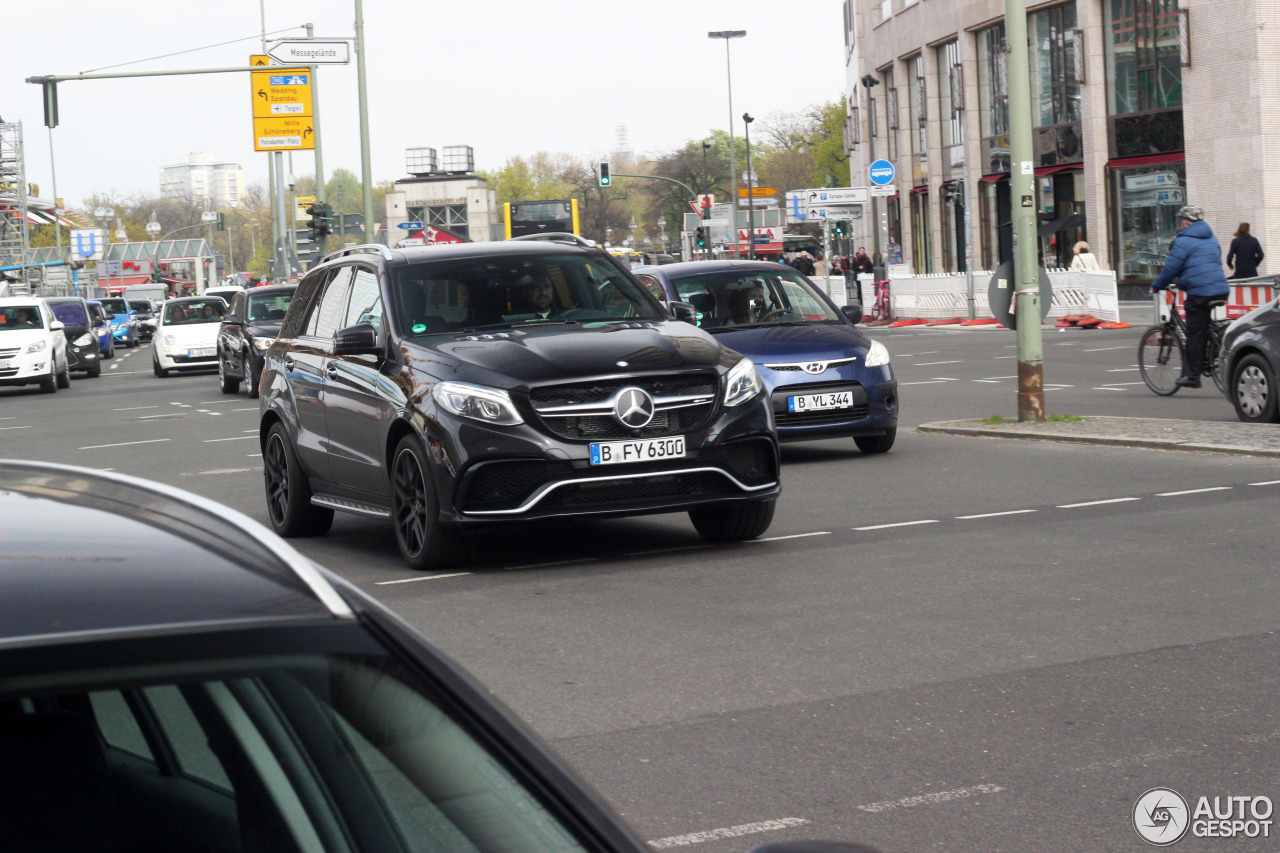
876 443
49 384
734 523
157 369
229 384
1254 392
111 350
424 543
288 492
64 378
95 370
1160 360
254 378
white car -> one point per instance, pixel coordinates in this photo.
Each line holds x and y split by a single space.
186 337
33 349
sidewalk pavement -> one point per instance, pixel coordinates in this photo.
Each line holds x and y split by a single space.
1236 439
1136 314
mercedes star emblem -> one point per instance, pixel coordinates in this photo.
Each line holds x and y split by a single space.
634 408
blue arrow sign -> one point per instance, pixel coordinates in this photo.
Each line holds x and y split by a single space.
409 226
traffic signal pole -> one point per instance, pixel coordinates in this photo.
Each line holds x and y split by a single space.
1022 182
321 235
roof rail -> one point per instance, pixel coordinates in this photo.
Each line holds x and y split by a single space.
363 248
559 237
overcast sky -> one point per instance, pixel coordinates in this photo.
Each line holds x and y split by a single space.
507 77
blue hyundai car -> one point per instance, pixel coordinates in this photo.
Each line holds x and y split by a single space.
124 327
825 377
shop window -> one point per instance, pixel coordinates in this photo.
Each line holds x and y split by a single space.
1146 200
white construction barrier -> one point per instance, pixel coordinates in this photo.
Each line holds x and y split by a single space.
945 295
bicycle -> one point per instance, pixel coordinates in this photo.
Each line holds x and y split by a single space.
1162 350
880 307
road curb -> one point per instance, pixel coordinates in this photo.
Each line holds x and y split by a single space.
1231 439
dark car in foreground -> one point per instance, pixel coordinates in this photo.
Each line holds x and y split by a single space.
216 691
451 387
825 378
249 327
80 326
1251 363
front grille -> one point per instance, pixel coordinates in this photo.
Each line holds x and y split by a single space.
8 353
186 359
639 490
784 418
507 484
753 462
599 424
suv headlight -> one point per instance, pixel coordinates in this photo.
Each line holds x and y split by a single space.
260 344
37 346
877 355
742 384
489 405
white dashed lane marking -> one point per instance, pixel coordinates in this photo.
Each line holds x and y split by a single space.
995 514
933 363
123 444
898 524
1097 503
931 799
1193 491
134 408
793 536
727 832
17 427
1267 483
427 578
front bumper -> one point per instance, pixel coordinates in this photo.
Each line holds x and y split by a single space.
874 394
26 369
127 334
82 358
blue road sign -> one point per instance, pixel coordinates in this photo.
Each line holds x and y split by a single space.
409 226
881 172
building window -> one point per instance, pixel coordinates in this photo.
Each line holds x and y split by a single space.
452 217
1144 66
920 246
881 11
1055 94
951 93
916 101
993 82
891 113
1147 198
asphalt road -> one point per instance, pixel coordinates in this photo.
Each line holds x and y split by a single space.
963 644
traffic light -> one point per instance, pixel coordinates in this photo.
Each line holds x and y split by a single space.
156 274
838 227
324 226
700 237
222 222
605 180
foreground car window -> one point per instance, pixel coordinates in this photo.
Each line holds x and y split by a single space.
339 751
501 292
733 299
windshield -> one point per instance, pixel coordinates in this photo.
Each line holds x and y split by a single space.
115 306
71 313
268 309
15 317
140 305
488 293
197 311
735 298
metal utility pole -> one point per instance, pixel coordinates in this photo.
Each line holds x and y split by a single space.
751 202
727 35
867 82
322 242
366 170
1022 181
276 225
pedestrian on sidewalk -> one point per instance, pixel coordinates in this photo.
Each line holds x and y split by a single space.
1195 260
1084 259
1245 253
803 263
862 262
820 266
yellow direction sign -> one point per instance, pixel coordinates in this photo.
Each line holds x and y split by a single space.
259 59
756 192
284 133
281 92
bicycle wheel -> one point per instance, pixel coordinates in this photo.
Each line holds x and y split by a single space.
1213 356
1160 357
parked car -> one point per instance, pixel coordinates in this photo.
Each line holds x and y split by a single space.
187 336
124 328
1251 363
78 326
825 378
102 328
33 350
504 381
144 314
217 686
249 327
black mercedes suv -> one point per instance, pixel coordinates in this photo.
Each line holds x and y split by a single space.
449 387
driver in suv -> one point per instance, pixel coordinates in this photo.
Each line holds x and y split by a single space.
437 388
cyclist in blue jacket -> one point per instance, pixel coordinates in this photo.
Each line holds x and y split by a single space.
1195 260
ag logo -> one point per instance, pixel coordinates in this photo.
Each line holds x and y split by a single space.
1161 816
815 367
633 408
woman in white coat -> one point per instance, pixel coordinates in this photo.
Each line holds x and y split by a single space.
1084 259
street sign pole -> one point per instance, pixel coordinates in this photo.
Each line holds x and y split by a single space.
322 241
826 254
366 169
1026 276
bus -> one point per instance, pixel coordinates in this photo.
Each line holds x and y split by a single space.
545 216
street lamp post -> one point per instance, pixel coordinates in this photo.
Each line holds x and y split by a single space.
751 219
868 81
727 35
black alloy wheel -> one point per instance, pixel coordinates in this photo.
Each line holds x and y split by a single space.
288 492
424 543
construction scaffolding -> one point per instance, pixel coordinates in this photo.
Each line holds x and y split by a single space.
15 234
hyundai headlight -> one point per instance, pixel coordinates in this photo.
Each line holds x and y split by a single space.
877 355
37 346
476 402
742 384
83 341
260 344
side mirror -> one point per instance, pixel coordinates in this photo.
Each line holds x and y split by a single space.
56 326
356 340
683 311
853 312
